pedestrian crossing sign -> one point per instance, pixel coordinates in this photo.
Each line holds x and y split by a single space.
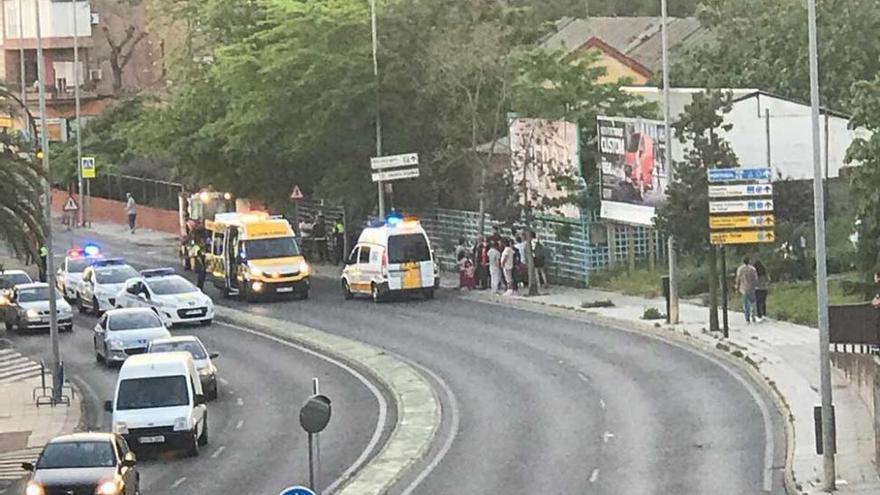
88 167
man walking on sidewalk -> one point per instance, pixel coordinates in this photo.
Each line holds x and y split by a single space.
746 280
131 210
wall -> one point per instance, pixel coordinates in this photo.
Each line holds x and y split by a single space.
56 20
863 373
109 211
617 70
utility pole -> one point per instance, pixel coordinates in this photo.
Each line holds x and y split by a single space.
27 117
76 82
828 468
378 108
47 204
670 174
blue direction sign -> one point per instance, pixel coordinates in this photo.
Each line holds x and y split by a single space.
296 490
739 174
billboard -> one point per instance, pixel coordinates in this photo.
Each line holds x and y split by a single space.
547 152
632 166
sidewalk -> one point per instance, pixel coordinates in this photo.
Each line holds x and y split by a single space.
786 355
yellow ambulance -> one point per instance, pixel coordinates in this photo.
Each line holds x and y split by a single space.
391 257
254 255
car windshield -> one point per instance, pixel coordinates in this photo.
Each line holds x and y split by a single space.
36 294
190 346
10 280
61 455
115 274
78 265
146 393
407 248
280 247
171 285
134 321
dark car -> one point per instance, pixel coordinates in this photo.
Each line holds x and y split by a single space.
84 464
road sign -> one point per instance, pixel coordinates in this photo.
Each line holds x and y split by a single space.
296 490
396 174
71 205
739 174
741 221
395 161
315 414
742 237
741 206
738 191
88 167
296 194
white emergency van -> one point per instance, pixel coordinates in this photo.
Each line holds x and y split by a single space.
159 402
391 257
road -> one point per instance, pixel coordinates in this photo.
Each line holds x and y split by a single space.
256 444
537 402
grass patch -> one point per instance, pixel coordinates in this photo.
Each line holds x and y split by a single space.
796 302
606 303
653 314
642 282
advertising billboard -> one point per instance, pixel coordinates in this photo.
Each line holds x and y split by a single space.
632 166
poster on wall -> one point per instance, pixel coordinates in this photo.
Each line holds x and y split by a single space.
547 153
632 168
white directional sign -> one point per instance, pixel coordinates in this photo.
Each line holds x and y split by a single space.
740 206
395 161
740 191
396 174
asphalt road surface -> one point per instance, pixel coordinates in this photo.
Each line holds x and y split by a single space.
542 403
256 443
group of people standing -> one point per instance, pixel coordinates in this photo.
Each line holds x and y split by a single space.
499 263
753 284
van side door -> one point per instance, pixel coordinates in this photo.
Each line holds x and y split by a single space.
365 275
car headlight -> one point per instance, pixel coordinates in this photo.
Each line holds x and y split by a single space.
116 344
34 488
181 424
256 272
121 428
109 487
33 313
304 267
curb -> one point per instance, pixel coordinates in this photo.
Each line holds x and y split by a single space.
417 405
682 336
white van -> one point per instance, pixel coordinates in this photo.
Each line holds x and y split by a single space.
159 402
391 257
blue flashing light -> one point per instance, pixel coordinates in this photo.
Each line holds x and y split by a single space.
91 250
394 221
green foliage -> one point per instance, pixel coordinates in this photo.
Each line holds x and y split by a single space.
865 191
602 303
652 314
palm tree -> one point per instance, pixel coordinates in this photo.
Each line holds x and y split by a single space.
21 185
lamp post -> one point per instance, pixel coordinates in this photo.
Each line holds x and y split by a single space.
670 173
77 77
378 108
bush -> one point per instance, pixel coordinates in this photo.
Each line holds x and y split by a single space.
607 303
653 314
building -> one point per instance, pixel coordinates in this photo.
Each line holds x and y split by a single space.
628 47
57 31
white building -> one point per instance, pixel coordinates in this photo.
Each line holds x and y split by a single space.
789 142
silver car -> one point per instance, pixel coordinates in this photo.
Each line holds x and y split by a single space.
125 332
201 358
28 309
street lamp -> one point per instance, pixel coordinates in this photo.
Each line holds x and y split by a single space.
667 118
378 109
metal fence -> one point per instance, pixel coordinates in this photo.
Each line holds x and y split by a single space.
575 248
147 192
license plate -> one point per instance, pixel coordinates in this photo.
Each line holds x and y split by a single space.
156 439
194 312
284 289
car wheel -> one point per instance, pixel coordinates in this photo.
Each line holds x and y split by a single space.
215 392
346 291
9 326
203 438
79 304
19 327
428 293
193 449
304 294
96 308
377 295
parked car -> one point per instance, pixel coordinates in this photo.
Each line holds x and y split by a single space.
92 463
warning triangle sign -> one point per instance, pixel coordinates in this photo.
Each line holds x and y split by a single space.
71 205
296 193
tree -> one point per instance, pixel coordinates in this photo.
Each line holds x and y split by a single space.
685 214
865 152
121 51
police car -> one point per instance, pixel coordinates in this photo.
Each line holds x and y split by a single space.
101 282
71 271
175 299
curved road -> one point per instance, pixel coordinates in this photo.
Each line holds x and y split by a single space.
547 402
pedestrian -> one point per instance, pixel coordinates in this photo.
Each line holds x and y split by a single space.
201 263
746 279
319 234
876 301
466 273
131 211
481 263
761 288
520 268
339 240
461 249
496 237
494 263
540 262
44 257
507 264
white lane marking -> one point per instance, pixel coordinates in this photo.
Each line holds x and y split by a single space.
453 428
239 401
583 377
607 436
178 483
594 475
239 424
383 404
230 392
602 403
217 452
759 400
224 382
